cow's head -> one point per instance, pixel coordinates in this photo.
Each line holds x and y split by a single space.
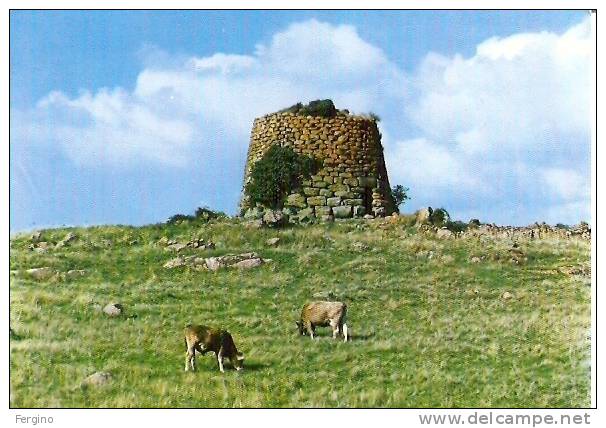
300 327
238 361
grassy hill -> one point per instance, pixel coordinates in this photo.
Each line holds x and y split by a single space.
435 322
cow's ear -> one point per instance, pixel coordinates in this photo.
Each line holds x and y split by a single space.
240 356
298 323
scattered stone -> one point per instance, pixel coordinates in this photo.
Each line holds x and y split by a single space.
113 309
97 379
254 213
74 274
324 295
248 263
201 244
360 246
176 247
174 263
369 217
507 296
69 238
475 259
36 237
447 258
274 218
254 224
243 261
444 234
306 215
272 242
423 216
41 273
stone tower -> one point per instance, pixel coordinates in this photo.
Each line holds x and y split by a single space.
352 181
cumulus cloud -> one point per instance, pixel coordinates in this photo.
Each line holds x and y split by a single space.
474 134
509 123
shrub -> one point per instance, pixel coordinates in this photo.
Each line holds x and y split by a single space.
177 218
322 108
277 174
374 117
399 194
206 214
201 214
456 226
440 217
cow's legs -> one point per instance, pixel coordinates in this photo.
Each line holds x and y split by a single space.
334 324
220 360
189 359
310 329
345 332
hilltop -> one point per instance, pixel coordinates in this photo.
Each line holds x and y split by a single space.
483 319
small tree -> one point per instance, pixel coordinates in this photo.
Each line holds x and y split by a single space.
277 174
440 217
399 195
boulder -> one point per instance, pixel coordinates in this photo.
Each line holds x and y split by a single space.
272 242
274 218
113 309
254 213
69 238
248 263
41 273
97 379
174 263
306 215
74 274
423 216
444 233
176 247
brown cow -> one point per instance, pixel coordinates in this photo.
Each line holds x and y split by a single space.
205 339
323 314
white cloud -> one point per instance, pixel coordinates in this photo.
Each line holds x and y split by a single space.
480 134
566 184
202 104
513 119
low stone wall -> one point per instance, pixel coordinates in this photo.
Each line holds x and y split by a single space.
352 181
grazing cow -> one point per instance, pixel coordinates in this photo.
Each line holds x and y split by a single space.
205 339
323 314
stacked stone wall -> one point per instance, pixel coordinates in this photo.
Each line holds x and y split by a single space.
352 180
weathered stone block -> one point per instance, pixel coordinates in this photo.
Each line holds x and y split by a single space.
333 202
344 194
306 215
326 192
296 200
353 201
320 184
351 181
316 200
339 188
311 191
367 181
343 211
359 211
322 211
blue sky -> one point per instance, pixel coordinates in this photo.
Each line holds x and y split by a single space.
129 117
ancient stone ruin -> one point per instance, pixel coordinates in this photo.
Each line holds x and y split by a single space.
352 180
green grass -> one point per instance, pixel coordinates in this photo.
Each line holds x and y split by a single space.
427 331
